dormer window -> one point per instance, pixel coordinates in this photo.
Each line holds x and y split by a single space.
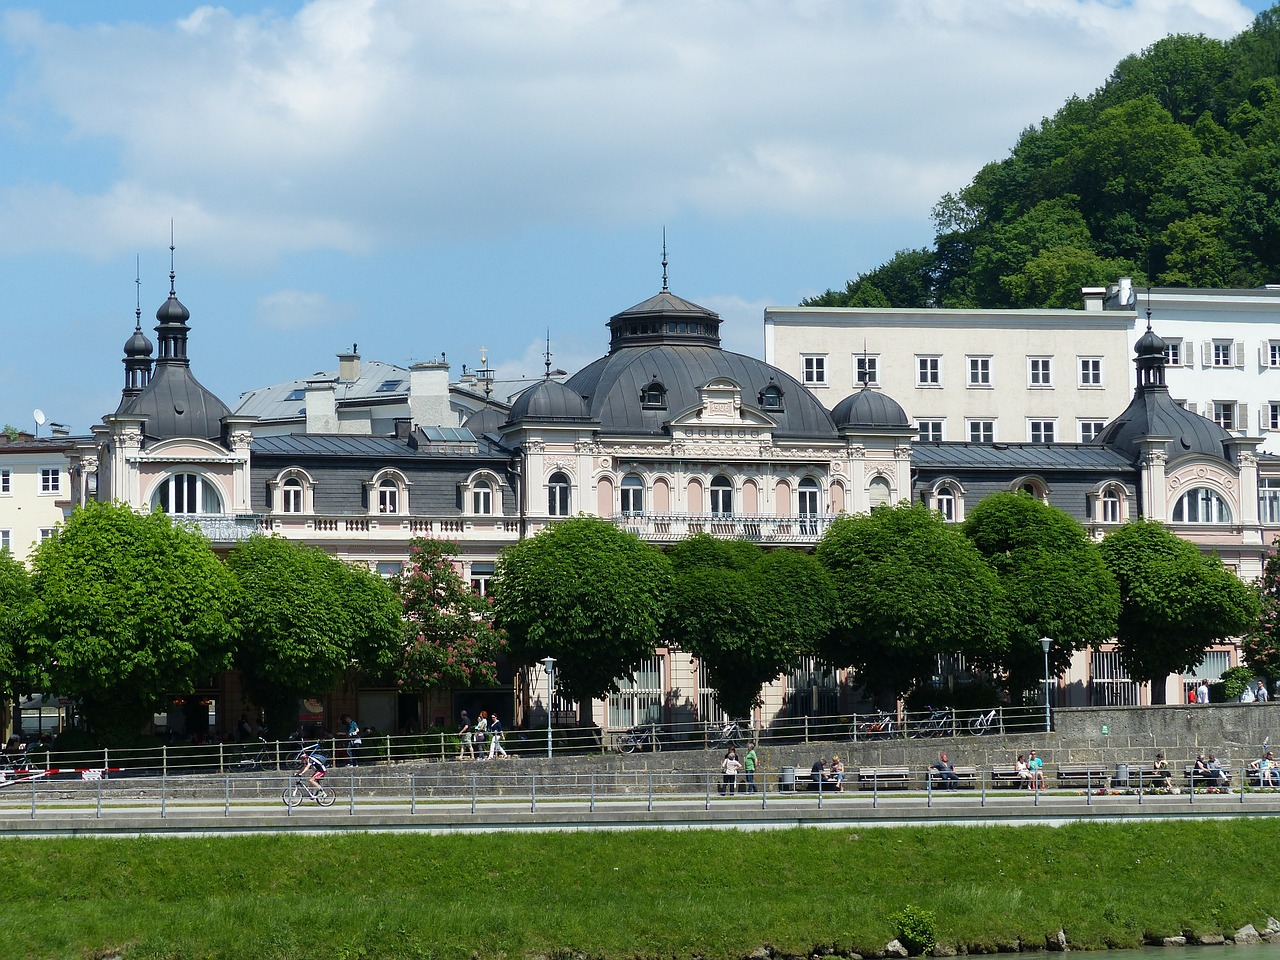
389 386
654 396
771 398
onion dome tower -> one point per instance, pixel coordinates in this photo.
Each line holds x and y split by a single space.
137 354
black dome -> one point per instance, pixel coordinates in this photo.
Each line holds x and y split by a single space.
177 405
548 400
870 410
138 345
488 420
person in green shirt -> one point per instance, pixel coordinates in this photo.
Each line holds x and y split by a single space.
749 767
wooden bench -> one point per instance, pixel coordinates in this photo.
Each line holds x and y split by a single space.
965 777
1254 776
891 778
1082 775
1208 778
1005 776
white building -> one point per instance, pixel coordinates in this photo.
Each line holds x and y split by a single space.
35 493
989 376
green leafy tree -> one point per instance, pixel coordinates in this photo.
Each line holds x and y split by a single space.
127 609
587 593
747 615
1054 581
451 640
306 617
15 595
1174 601
1262 646
909 587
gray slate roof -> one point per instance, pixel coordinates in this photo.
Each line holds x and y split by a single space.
1029 457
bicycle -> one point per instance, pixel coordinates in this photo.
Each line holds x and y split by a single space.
300 789
641 738
882 726
937 724
983 724
253 756
728 735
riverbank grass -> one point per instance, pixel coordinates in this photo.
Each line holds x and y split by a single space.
669 894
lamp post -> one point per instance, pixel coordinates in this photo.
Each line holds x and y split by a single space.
549 665
1045 642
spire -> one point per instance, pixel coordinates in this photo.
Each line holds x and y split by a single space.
546 356
664 259
172 316
137 350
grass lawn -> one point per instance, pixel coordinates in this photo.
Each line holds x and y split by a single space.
716 894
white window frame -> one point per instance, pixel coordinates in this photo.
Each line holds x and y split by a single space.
1090 426
6 483
1269 501
866 369
46 533
1042 431
978 371
928 371
1269 416
1227 414
631 495
1175 354
293 495
1206 501
977 423
1090 370
482 497
6 540
1269 354
937 430
1040 373
721 491
813 369
1222 354
388 499
808 497
50 481
559 494
947 497
202 483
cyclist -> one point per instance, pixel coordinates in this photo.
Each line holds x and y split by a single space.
314 763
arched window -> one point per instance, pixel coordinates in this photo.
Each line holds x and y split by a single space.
291 496
807 497
654 396
482 498
1201 505
721 497
558 488
186 493
878 492
945 502
1112 505
388 496
632 494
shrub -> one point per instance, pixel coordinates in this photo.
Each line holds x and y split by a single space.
1234 681
917 929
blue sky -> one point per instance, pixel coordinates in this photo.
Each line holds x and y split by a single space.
428 176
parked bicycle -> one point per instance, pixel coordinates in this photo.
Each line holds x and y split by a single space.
937 724
254 755
984 723
641 738
879 726
725 736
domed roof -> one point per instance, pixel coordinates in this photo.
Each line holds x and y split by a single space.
548 400
487 420
638 390
138 345
172 310
870 410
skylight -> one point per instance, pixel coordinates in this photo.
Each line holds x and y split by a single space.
389 386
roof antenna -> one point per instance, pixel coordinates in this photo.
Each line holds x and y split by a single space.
546 356
664 259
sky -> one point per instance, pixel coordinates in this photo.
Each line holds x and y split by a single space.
428 177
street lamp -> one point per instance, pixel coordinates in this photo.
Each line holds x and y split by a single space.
1045 643
549 665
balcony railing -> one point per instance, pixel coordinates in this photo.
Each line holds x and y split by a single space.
222 527
388 526
668 529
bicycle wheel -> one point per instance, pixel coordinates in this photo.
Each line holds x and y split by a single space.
979 725
325 797
292 794
627 745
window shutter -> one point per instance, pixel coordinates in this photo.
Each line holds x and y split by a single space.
1193 406
1242 417
1237 353
1264 354
1206 353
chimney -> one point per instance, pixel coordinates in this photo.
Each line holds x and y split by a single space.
349 365
1093 297
59 430
322 407
429 395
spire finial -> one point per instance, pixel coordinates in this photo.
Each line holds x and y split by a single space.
172 291
546 356
137 293
1148 308
664 259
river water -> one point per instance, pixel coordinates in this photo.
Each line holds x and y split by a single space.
1257 951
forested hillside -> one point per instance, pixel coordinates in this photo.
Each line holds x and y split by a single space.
1169 171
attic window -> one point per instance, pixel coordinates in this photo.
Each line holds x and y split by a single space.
389 386
654 396
771 398
295 394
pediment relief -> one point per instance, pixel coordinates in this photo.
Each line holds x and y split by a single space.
1203 473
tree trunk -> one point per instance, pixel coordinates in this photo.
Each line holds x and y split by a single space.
1159 689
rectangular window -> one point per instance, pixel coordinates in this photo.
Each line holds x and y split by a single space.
929 431
1090 429
481 574
50 480
1090 371
928 371
1271 416
387 569
1109 684
1269 500
979 371
45 533
1173 353
1223 353
1271 354
5 481
1224 414
1039 371
866 370
1041 431
815 370
982 431
639 700
6 540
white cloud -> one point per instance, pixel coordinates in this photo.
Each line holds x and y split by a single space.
355 124
299 310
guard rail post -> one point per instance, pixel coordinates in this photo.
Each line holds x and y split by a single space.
413 794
